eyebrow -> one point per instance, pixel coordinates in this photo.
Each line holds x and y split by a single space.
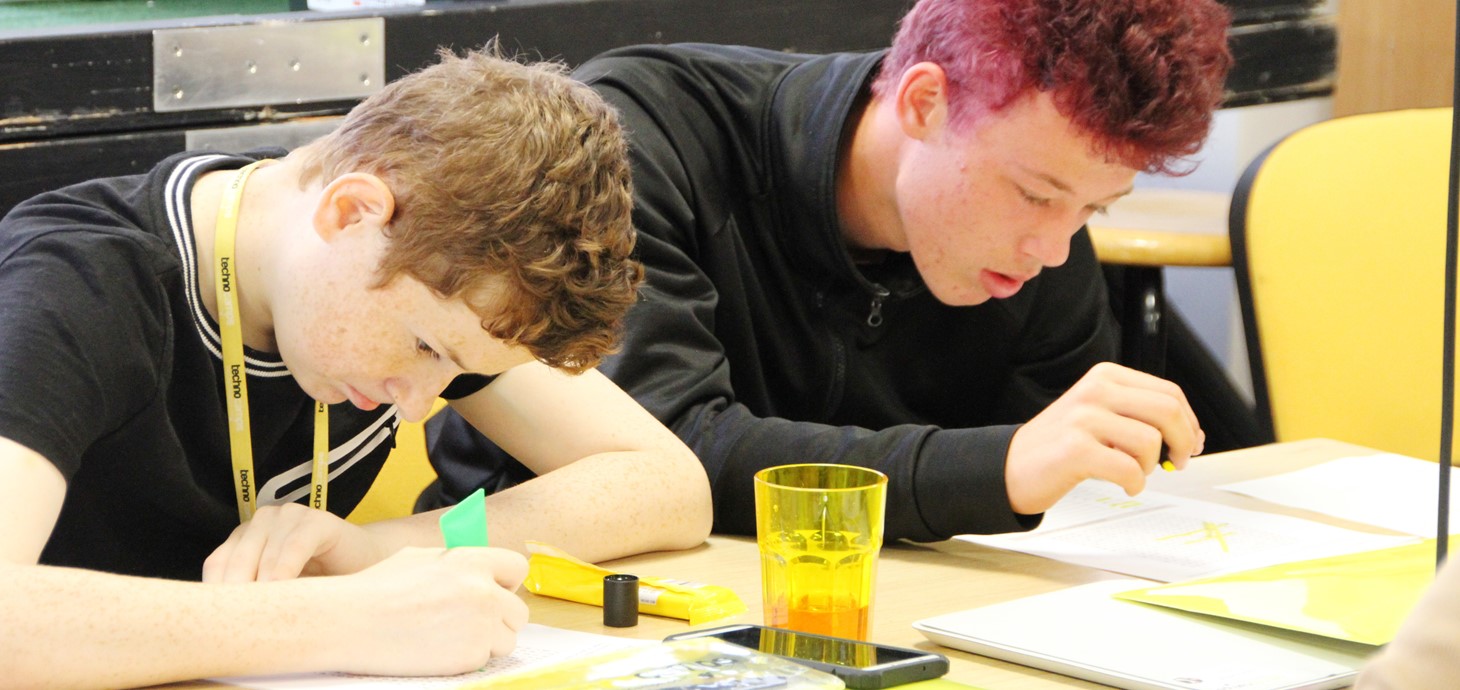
1050 179
1121 193
1060 184
446 349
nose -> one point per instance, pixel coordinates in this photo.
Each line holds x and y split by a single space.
1049 245
415 397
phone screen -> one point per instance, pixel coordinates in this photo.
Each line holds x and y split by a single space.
828 650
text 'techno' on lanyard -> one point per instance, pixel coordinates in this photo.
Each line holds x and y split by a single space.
235 379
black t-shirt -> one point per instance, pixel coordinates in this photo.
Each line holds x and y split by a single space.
110 368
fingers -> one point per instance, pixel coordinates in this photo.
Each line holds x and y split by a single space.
1130 439
429 611
1151 401
245 548
514 617
1115 466
1112 424
278 543
509 568
289 550
216 562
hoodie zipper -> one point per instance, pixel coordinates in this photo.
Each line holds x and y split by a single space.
879 293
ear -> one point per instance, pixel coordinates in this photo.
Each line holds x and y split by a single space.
921 102
353 201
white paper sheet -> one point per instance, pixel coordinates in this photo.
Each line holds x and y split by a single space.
1386 490
537 645
1169 538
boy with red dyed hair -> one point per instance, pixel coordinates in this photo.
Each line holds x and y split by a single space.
879 259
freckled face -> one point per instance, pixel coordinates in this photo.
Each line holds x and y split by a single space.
984 210
344 341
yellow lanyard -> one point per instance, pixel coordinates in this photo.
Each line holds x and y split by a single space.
235 379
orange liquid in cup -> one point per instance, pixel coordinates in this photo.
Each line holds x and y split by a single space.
842 619
811 588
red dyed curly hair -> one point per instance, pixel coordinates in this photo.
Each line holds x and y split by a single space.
1141 77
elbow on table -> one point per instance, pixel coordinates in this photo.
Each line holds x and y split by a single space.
693 504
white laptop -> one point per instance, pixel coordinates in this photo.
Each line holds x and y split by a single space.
1086 633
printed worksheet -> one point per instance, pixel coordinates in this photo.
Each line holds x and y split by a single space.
1168 538
537 645
1387 490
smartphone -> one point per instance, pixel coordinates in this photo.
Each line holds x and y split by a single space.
859 664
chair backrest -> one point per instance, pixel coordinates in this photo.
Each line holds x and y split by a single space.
1338 245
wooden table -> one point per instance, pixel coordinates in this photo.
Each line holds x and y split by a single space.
915 581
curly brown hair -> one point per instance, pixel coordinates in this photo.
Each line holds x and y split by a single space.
512 190
1142 77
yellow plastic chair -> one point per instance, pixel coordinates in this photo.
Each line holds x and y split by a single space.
406 472
1338 238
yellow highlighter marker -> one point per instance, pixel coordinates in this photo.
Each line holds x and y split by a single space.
1166 463
466 524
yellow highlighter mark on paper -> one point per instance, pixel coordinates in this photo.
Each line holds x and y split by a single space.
1210 531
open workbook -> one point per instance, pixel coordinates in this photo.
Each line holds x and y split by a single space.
1168 538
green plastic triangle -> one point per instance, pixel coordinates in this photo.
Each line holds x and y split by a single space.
466 524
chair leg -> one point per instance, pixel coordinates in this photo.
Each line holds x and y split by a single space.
1143 324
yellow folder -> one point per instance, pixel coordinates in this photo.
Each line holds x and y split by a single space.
1360 597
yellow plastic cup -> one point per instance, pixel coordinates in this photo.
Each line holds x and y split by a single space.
819 528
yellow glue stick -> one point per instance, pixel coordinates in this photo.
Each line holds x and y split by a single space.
553 573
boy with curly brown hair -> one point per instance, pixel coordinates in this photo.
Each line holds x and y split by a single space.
234 338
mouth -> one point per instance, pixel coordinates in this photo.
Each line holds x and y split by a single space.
1002 285
359 399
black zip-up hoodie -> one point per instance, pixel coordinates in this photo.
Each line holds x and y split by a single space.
761 342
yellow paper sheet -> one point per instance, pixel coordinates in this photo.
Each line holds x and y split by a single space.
1361 597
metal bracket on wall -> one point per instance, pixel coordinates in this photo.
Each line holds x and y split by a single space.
267 63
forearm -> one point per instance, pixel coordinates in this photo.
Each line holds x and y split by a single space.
601 507
607 506
63 627
940 482
418 612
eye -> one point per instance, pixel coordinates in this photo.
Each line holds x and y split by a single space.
1041 202
423 348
